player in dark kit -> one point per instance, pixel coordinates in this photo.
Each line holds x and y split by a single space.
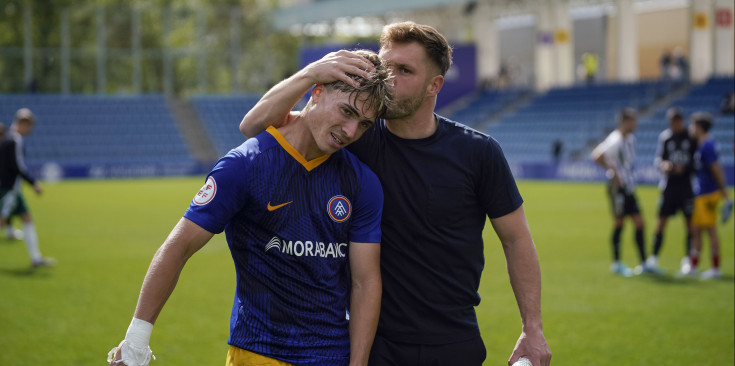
13 171
297 210
674 158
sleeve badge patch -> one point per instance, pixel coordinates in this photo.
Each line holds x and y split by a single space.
206 194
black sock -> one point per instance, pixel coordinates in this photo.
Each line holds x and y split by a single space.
641 246
616 243
688 244
658 239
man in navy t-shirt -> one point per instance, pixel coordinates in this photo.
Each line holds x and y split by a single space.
441 180
297 211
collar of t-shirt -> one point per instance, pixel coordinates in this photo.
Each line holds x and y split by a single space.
440 128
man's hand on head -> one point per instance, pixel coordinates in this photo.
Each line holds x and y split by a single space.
335 66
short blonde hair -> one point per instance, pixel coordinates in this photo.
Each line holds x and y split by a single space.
378 89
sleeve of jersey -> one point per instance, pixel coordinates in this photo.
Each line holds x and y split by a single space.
661 152
497 188
222 195
368 210
709 154
18 164
606 148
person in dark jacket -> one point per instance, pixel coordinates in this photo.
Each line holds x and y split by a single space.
13 171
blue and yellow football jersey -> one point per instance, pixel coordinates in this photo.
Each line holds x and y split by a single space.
705 156
289 223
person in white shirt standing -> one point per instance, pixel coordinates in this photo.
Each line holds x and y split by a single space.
616 154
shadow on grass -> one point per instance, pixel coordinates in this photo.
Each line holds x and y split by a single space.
25 272
668 279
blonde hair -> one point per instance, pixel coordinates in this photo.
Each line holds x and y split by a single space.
378 89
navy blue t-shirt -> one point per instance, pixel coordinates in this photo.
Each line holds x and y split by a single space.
438 192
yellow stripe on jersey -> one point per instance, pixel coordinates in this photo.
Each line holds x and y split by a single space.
309 165
240 357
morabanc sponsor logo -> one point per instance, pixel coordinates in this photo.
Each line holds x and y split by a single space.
307 248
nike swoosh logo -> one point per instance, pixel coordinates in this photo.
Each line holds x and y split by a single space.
273 208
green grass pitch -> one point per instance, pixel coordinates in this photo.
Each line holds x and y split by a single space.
104 233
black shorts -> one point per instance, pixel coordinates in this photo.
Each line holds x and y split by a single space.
675 199
386 352
622 202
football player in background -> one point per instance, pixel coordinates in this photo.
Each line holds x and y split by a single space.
13 171
617 154
675 159
710 189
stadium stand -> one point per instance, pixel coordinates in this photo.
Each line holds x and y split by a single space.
221 116
486 104
706 97
88 130
82 130
578 116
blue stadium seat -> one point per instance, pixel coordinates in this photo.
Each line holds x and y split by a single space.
221 116
581 116
486 104
83 130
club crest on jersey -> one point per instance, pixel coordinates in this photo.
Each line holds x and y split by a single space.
206 194
339 208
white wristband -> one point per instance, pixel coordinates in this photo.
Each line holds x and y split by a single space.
139 333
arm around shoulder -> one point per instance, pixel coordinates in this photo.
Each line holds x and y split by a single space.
274 107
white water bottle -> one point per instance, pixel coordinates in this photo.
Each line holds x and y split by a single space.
523 362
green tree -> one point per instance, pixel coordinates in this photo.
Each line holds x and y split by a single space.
203 44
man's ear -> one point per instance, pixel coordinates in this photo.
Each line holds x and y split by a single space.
435 85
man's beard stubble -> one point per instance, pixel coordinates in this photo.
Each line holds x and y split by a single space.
404 108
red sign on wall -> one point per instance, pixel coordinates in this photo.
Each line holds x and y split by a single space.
724 17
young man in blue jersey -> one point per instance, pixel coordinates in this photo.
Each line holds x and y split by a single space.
441 180
298 212
708 192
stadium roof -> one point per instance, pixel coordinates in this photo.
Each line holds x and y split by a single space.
314 11
324 10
